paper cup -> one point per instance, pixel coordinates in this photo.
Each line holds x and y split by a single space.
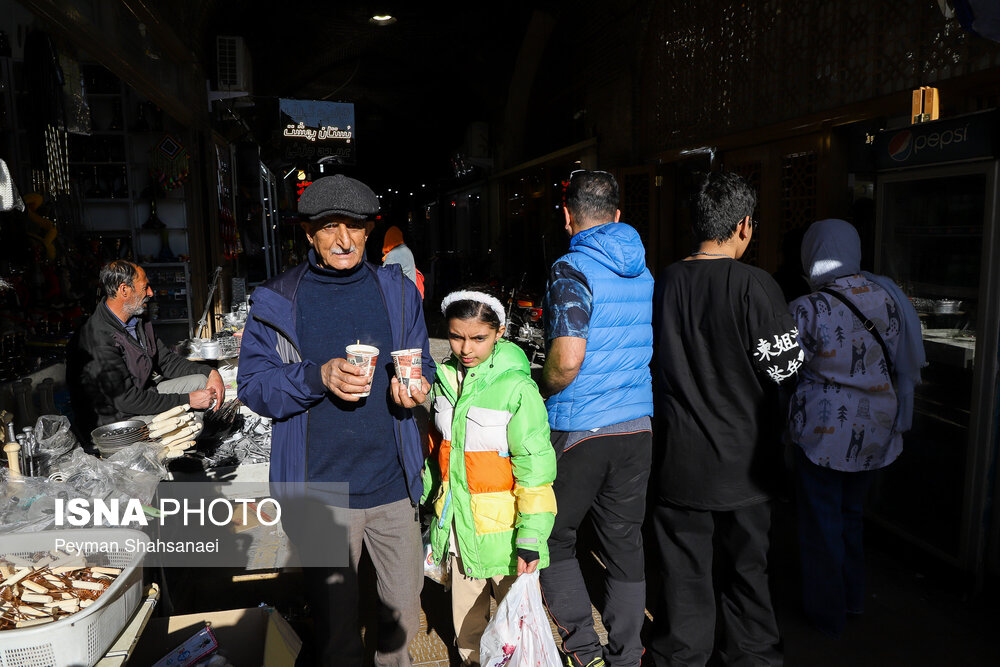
364 357
407 363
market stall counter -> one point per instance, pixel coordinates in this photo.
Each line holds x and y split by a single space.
58 487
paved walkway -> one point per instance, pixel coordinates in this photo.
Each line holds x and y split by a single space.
919 613
916 615
432 644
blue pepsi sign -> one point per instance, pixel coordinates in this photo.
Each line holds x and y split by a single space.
959 139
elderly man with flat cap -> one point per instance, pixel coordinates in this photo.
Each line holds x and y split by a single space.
333 425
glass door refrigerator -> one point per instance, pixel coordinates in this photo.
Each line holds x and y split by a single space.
936 236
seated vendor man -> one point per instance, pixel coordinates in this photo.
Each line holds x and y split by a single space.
121 369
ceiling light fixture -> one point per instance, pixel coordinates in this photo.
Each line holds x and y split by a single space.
382 19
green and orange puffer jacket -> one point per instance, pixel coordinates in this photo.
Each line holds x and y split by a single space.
491 465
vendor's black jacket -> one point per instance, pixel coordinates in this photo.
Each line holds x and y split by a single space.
113 375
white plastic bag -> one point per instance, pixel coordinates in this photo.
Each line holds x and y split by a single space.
519 634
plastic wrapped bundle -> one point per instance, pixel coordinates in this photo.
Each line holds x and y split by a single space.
55 442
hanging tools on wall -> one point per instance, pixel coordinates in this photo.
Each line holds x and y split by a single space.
203 321
57 153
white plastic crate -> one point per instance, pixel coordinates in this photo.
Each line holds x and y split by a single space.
84 637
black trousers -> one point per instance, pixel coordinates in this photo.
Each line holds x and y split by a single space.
830 512
603 478
685 617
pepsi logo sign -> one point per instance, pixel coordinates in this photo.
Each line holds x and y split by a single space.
904 144
900 146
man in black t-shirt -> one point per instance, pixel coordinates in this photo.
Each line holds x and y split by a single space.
723 340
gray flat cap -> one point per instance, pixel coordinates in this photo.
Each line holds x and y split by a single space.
338 195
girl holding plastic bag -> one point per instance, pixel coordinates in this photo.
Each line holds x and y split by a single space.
490 467
519 634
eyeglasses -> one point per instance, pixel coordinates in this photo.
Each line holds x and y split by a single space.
569 179
592 171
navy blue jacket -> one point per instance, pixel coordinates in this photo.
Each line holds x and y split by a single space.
273 379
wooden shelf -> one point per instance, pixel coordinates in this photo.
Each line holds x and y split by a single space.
175 307
123 152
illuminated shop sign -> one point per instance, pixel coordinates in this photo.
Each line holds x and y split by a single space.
313 129
958 139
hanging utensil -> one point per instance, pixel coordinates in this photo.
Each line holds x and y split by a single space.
203 321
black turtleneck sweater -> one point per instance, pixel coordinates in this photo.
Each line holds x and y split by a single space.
350 442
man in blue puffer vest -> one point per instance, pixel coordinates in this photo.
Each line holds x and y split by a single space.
332 424
599 310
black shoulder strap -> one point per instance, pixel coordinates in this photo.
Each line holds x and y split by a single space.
869 325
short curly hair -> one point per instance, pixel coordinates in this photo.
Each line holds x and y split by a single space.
721 200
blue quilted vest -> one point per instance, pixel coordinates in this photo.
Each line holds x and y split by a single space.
614 383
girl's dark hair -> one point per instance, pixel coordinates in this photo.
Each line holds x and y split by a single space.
468 309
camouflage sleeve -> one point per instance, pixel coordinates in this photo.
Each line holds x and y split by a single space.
568 303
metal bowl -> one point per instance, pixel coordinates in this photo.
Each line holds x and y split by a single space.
119 434
946 306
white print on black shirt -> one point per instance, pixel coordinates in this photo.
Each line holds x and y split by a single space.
766 351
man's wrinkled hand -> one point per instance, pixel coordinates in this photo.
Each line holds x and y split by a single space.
219 389
345 380
418 395
201 399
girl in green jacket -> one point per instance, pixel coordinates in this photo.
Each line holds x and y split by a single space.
490 467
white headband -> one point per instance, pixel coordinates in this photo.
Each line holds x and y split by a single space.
467 295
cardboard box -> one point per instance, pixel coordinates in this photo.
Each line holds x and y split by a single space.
247 637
